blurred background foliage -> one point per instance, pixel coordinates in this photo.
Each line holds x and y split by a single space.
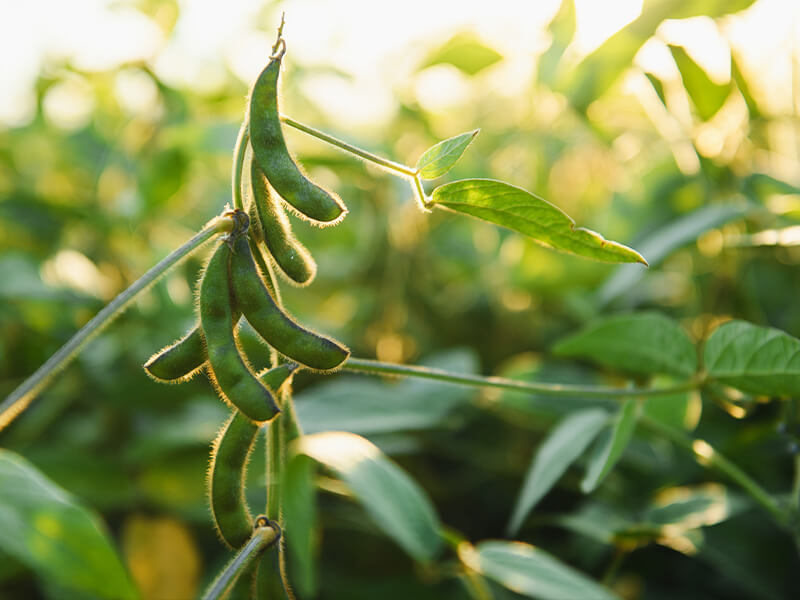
669 136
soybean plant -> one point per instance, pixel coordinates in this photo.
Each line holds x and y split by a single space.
238 285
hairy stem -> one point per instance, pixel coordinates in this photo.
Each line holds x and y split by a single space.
419 192
238 164
18 400
373 158
262 538
363 365
704 452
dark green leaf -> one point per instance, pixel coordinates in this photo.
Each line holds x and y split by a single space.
532 572
513 207
396 503
565 443
646 342
684 508
609 447
465 52
679 411
46 529
759 360
370 406
440 158
707 96
301 519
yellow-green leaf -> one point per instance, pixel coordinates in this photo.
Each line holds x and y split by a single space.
440 158
517 209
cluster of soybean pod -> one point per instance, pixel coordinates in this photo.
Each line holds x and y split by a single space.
237 282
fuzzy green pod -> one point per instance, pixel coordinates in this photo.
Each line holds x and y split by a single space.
228 369
277 328
293 259
269 149
227 472
180 361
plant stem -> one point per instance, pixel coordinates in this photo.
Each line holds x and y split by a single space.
18 400
419 191
706 455
363 365
275 453
261 539
238 164
373 158
703 451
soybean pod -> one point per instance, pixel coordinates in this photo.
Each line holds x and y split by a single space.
180 361
290 255
228 469
269 149
277 328
227 367
227 474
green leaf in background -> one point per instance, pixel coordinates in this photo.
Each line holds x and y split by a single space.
529 571
562 29
301 519
609 447
681 411
669 238
370 406
396 503
759 360
744 88
519 210
596 73
465 52
679 509
440 158
707 96
565 443
47 530
646 342
657 86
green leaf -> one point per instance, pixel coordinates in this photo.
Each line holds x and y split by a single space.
301 519
397 505
529 571
47 530
669 238
657 86
596 73
646 342
562 30
370 406
679 411
519 210
609 447
440 158
466 53
565 443
679 509
744 88
754 359
707 96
